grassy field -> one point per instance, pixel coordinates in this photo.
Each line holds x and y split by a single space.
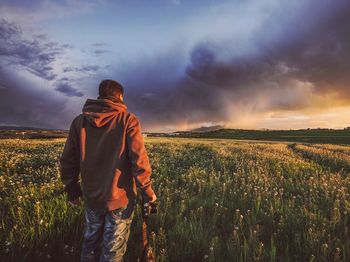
220 200
334 136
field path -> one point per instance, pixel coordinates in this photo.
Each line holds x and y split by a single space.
334 160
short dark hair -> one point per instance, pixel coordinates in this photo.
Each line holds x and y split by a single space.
110 88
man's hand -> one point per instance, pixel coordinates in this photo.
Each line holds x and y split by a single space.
76 202
149 206
153 199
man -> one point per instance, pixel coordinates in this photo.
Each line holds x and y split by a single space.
105 145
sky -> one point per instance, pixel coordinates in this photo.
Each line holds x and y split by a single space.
251 64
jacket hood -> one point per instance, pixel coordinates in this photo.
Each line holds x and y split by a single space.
99 111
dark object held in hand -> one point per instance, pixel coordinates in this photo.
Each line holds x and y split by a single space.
148 208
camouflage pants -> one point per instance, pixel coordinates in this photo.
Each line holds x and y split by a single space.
106 234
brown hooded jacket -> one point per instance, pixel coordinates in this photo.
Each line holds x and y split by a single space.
105 145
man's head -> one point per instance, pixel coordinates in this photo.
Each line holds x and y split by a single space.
110 89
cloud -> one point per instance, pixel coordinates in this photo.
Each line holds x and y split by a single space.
99 44
82 69
68 90
40 10
29 91
99 48
176 2
33 55
99 52
23 103
299 66
229 68
65 79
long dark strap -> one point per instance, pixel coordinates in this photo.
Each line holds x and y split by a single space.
147 253
144 235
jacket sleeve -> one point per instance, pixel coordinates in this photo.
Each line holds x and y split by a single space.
140 166
70 164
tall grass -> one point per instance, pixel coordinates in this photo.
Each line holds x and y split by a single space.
219 200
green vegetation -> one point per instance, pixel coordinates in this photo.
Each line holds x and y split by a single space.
30 132
331 136
220 200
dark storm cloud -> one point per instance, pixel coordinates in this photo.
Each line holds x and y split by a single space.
310 54
33 55
21 103
26 102
290 56
68 90
323 55
160 94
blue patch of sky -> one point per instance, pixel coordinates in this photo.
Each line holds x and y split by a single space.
128 27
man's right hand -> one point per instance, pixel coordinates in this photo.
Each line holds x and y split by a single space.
149 206
146 199
153 199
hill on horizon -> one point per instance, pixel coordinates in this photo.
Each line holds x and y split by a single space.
30 132
316 135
